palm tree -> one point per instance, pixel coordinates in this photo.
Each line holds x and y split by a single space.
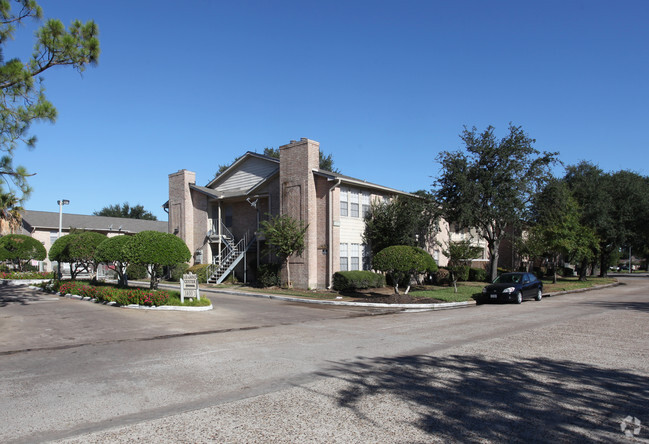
10 213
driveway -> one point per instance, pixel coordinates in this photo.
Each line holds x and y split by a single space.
55 322
567 369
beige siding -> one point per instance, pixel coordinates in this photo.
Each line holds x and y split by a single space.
248 175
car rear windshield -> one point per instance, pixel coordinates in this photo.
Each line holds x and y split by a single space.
508 279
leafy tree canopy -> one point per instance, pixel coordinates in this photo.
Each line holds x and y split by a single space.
155 250
489 186
284 237
22 97
112 251
125 210
404 220
403 261
21 249
614 205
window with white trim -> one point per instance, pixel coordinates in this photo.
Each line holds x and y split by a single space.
343 257
365 204
354 207
343 202
355 257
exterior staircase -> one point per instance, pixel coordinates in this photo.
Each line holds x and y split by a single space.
235 252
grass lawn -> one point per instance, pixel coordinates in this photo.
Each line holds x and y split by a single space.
572 283
465 290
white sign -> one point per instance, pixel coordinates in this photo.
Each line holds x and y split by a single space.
189 287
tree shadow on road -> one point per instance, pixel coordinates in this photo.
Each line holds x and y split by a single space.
475 399
637 306
17 295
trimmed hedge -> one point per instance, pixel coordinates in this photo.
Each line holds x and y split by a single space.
199 270
478 275
137 296
357 280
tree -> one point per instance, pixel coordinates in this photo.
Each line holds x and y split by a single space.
112 252
403 262
404 220
614 205
285 238
125 210
78 249
155 250
22 98
489 187
460 254
20 249
10 212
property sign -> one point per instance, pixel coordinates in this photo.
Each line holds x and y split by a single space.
189 287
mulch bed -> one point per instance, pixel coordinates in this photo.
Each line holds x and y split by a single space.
386 296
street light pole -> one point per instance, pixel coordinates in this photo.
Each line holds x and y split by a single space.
61 203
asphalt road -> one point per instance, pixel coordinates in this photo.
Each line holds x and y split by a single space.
567 369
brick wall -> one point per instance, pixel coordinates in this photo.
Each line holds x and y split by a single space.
298 200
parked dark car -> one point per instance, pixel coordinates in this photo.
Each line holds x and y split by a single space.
513 287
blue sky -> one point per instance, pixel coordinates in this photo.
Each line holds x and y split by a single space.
384 86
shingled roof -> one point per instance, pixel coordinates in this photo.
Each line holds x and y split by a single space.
48 220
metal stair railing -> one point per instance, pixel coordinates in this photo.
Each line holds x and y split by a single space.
218 272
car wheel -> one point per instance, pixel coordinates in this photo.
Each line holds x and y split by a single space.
539 295
519 297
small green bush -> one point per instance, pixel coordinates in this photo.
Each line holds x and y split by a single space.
177 271
442 276
268 275
478 275
201 271
357 280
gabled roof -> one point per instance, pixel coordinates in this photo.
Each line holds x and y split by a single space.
49 220
214 183
348 180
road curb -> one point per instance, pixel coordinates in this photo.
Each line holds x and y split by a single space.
431 307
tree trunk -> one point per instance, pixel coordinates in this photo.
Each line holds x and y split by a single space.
288 275
494 254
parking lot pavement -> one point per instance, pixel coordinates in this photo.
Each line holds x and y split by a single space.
31 319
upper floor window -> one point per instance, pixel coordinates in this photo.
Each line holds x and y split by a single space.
343 202
365 204
354 203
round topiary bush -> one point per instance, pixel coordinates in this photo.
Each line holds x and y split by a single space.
20 249
402 262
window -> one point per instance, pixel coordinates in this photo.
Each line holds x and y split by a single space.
54 235
343 258
365 202
355 257
354 203
343 202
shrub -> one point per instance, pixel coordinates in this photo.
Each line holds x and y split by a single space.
20 249
27 275
442 276
268 275
137 271
177 271
403 261
478 275
139 296
156 250
200 270
357 280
